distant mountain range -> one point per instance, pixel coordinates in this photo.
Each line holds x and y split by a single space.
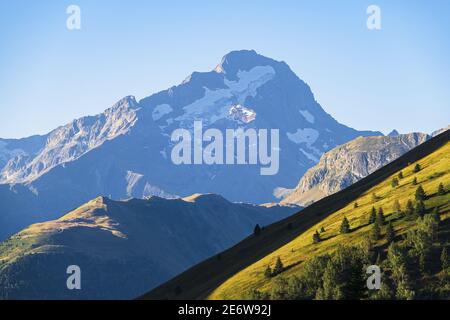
349 163
125 151
124 248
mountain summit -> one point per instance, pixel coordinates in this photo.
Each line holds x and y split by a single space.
126 151
243 60
393 133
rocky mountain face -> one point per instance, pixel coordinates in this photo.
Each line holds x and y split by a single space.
438 132
126 151
350 162
68 143
19 149
124 248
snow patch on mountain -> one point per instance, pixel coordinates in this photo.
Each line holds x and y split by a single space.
307 115
160 111
154 191
311 156
132 179
242 114
210 108
307 135
250 81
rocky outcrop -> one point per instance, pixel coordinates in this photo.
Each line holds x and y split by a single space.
348 163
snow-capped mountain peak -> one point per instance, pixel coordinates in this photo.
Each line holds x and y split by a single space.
126 151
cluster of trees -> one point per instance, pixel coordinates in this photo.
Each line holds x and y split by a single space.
345 226
405 260
416 257
377 218
277 269
342 274
396 180
337 276
316 236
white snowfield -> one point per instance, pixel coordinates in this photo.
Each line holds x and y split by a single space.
160 111
214 105
307 135
307 115
242 114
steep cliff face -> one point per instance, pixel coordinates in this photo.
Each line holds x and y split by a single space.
67 143
348 163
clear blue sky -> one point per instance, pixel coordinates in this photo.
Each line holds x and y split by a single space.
397 77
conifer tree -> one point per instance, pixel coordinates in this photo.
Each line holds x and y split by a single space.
420 208
436 216
322 230
355 205
441 190
268 272
397 260
376 231
278 267
394 183
445 262
373 215
390 233
409 208
380 216
345 226
400 175
257 230
316 237
417 168
414 182
420 194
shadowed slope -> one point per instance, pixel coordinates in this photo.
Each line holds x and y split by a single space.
124 247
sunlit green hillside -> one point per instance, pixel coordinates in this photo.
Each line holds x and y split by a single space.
259 280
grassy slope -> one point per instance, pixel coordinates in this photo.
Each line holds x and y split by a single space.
28 240
435 170
136 243
201 280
